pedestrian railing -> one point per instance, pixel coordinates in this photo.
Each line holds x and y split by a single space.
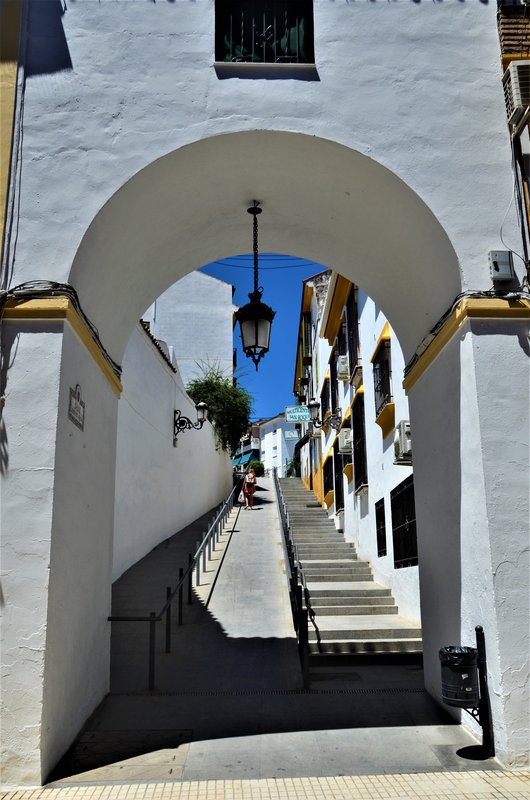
301 608
196 562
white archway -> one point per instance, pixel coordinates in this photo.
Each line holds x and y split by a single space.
324 202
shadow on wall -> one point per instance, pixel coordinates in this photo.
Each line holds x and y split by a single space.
46 50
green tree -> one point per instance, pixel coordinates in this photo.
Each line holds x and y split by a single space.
258 467
229 406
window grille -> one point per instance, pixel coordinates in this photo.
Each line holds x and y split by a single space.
380 526
359 443
382 377
266 31
404 524
339 478
333 382
342 339
352 327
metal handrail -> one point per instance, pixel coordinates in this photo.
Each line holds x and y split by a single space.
204 550
302 609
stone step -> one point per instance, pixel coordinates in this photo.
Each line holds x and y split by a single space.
352 610
326 551
342 588
355 633
351 600
338 577
321 564
367 647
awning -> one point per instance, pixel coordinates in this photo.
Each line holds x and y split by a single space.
236 461
246 458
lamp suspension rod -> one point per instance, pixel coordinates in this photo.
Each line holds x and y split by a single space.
255 210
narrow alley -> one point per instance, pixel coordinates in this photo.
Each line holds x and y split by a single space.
229 702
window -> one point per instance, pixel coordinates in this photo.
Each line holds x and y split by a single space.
404 524
359 442
266 31
339 485
380 526
324 399
382 376
352 328
328 476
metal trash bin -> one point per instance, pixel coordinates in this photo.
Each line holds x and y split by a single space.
460 685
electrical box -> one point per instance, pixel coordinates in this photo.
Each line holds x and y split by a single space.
402 443
343 368
501 265
345 440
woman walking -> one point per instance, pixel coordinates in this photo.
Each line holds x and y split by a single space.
249 487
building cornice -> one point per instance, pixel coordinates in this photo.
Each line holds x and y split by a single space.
62 309
466 309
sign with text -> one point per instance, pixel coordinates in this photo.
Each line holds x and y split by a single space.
297 414
291 435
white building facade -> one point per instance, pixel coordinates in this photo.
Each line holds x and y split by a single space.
195 318
377 142
277 442
349 359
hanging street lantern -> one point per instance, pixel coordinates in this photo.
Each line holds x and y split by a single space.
255 318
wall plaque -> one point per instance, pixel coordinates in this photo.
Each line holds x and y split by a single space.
76 408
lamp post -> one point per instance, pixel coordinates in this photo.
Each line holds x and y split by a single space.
255 318
333 420
182 423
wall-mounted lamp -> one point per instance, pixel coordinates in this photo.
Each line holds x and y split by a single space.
182 423
255 318
333 420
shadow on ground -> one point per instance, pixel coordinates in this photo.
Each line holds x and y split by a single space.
214 687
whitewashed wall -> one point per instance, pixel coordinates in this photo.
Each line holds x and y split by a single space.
194 317
159 488
140 147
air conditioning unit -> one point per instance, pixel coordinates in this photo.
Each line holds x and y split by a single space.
402 443
343 368
345 440
516 82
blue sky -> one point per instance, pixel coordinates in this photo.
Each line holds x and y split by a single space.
281 277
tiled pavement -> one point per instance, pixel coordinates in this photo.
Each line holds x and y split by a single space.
491 785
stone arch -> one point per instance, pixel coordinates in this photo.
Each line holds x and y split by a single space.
323 201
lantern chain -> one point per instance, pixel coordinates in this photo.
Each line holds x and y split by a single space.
255 250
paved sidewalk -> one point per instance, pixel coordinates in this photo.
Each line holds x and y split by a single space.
230 718
498 785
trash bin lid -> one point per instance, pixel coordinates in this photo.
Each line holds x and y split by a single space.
456 655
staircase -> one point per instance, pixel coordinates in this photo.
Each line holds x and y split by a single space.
354 616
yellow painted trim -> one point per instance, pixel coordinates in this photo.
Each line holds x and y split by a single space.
306 482
507 58
357 394
61 308
468 308
9 46
329 498
387 419
348 471
347 415
384 336
341 291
